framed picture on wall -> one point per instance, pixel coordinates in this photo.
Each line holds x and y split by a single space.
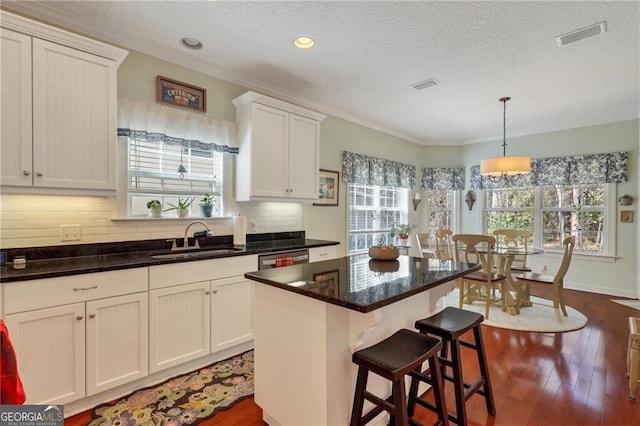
176 93
328 188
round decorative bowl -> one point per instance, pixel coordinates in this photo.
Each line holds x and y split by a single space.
384 265
384 253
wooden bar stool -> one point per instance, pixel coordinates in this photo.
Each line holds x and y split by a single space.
393 358
449 324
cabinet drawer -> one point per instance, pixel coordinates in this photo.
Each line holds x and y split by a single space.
44 293
162 276
317 254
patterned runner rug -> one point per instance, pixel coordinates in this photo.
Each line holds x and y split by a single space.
183 400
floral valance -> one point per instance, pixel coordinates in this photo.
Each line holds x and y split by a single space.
577 169
366 170
159 123
442 179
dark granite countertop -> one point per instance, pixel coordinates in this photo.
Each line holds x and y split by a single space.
359 283
56 261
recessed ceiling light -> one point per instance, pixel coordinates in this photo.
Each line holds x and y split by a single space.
304 42
191 43
582 33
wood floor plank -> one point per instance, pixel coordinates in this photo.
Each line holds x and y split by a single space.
574 378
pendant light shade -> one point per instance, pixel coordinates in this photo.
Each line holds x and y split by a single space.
505 166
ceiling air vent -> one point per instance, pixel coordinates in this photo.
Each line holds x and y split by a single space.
577 35
424 84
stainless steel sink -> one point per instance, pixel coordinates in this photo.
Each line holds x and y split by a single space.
192 254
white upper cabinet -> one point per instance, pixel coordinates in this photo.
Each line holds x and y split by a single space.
59 110
278 150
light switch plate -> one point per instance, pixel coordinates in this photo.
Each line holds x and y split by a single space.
626 216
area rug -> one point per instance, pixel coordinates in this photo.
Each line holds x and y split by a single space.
540 317
183 400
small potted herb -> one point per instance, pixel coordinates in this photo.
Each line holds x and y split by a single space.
207 203
155 208
402 231
181 207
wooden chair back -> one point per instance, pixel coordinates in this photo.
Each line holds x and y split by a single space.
424 239
515 238
443 249
568 243
466 249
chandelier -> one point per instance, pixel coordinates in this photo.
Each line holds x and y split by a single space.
505 166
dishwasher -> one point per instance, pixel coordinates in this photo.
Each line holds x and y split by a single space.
283 258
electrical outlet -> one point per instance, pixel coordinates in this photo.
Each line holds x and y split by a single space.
70 233
253 226
626 216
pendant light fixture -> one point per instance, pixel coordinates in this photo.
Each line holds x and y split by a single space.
505 166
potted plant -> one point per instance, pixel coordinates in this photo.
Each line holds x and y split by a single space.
207 202
380 251
402 231
155 208
181 207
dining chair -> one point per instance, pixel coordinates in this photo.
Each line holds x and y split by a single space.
557 281
443 249
515 238
481 285
424 239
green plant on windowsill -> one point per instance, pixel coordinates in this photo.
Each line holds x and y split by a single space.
207 202
155 207
181 207
402 230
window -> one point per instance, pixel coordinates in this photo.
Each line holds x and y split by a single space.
578 210
553 212
372 212
439 209
153 174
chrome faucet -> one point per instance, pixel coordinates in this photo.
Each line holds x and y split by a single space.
185 244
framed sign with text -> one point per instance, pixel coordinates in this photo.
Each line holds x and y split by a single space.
176 93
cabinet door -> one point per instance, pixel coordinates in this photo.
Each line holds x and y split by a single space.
231 312
15 109
269 164
50 348
303 157
74 118
117 341
179 324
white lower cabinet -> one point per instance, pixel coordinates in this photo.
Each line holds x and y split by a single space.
231 312
198 308
180 326
94 339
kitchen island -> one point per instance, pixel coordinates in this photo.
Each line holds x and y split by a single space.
310 318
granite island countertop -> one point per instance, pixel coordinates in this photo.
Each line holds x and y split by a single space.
359 283
56 261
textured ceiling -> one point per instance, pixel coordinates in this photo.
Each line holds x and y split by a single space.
367 55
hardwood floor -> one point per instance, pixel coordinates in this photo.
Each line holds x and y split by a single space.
574 378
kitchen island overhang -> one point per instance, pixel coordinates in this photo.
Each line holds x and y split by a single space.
309 319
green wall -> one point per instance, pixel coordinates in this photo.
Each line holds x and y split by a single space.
136 79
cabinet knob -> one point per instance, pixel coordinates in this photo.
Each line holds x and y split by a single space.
207 292
26 172
79 318
39 174
92 315
215 291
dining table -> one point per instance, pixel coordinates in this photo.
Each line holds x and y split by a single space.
506 256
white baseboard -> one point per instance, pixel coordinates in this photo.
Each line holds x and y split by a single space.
608 291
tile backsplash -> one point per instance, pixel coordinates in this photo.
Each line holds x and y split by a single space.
35 220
